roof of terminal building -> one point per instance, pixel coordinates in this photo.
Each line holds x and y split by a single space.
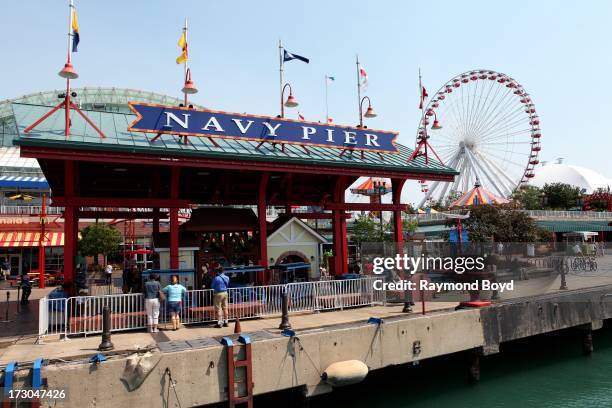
50 134
575 225
89 96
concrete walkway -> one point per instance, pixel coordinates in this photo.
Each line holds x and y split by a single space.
84 347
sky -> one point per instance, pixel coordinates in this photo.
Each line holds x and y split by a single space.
560 51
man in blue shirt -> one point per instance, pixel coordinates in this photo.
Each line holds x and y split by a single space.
219 286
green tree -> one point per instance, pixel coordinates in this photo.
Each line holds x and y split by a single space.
452 196
367 229
99 238
409 225
561 196
501 223
444 204
529 197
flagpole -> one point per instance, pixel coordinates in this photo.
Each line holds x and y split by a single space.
326 103
70 10
67 100
280 64
186 60
358 90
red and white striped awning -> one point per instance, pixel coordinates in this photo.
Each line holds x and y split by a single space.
30 239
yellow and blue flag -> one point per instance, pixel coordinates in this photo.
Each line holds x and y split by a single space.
75 32
182 43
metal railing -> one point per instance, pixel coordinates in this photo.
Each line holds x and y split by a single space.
605 215
82 315
28 210
551 214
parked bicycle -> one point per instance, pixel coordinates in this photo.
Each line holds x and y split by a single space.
583 263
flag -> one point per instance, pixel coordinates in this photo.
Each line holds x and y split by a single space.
287 56
182 43
330 78
330 120
75 31
300 116
424 96
363 75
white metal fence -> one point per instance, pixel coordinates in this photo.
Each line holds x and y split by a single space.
83 314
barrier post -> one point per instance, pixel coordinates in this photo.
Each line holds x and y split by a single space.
285 309
106 330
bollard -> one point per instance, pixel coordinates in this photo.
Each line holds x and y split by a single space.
563 281
106 331
18 297
407 302
8 295
285 308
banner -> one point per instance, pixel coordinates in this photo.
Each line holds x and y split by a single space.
175 120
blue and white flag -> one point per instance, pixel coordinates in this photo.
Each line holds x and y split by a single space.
330 79
287 56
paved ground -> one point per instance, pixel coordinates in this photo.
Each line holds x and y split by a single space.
84 347
18 334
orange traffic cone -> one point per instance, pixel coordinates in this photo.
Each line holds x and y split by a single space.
237 329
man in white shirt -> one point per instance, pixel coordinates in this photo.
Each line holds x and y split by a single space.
109 272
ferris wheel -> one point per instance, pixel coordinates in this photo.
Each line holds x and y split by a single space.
486 127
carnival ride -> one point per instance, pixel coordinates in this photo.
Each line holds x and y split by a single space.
485 125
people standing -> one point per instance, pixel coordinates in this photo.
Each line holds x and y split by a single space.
220 298
500 248
26 288
152 294
5 268
174 294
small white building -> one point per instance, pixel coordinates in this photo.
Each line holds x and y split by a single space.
292 240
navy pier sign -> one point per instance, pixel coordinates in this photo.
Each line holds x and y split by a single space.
182 121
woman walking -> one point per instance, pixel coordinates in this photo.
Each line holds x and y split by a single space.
152 294
174 294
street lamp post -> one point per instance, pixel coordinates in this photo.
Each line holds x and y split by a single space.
369 112
291 102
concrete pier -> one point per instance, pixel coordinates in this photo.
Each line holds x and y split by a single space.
196 359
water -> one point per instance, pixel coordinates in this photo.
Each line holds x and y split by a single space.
546 371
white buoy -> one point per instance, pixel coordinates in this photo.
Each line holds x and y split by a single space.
345 373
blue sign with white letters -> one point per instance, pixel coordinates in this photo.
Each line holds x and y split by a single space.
208 123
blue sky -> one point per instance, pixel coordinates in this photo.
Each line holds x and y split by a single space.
560 51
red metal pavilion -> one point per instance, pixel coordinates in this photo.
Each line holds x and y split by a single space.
89 176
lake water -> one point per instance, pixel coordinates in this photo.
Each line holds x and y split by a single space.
546 371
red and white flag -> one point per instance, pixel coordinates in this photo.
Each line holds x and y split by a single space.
330 120
363 75
424 96
422 92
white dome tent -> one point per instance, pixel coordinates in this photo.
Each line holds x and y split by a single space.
558 172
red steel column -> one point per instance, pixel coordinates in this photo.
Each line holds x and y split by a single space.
41 243
339 229
174 224
263 225
398 237
70 240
